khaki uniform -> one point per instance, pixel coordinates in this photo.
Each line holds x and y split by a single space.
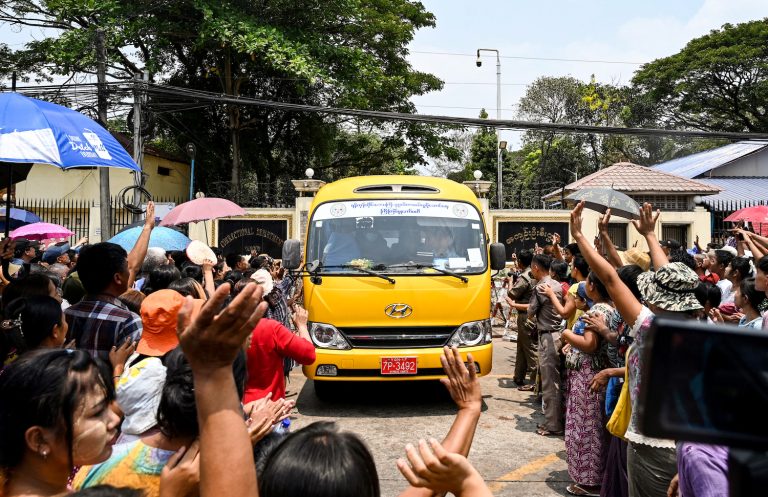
526 361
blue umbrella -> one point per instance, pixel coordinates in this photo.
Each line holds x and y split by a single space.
35 131
19 217
164 238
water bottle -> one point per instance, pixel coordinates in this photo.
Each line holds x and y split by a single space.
283 427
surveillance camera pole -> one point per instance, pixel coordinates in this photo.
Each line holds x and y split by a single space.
499 196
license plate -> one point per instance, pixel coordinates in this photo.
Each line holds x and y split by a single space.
398 365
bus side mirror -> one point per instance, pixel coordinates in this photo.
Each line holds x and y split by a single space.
291 254
498 256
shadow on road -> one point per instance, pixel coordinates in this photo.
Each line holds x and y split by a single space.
378 399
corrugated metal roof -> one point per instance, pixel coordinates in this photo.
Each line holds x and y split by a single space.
737 189
694 165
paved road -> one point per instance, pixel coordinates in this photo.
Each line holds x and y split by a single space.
514 460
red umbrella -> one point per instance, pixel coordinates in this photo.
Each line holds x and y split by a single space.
41 231
202 209
756 215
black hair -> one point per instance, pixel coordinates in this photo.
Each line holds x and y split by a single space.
260 261
192 271
28 321
43 388
748 291
707 293
32 284
264 448
98 264
542 260
628 275
525 257
161 277
599 286
723 257
232 259
684 257
185 286
320 461
741 264
762 264
108 491
580 263
573 248
559 269
177 411
179 257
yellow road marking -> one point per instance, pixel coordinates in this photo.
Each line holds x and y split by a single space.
518 474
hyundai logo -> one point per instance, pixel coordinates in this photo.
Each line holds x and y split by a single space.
398 311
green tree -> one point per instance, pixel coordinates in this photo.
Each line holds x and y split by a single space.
343 54
717 82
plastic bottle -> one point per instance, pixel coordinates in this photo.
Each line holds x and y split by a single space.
283 427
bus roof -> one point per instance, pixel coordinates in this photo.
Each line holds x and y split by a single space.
411 187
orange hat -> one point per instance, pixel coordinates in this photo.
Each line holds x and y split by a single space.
159 314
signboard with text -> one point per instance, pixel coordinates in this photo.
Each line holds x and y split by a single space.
519 235
242 236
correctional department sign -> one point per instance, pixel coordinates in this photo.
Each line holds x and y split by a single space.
243 236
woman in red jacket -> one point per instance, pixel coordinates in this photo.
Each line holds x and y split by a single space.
271 342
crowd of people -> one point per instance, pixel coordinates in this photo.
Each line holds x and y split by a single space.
581 332
147 373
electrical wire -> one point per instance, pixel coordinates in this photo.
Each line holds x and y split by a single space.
520 57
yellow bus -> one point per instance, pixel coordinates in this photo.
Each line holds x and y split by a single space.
395 267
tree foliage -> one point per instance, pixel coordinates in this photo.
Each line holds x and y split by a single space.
332 53
717 82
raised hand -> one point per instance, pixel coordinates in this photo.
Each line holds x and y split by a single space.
602 224
576 220
212 340
118 355
149 219
181 474
441 471
647 222
462 383
264 414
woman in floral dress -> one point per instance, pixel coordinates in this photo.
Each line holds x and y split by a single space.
585 433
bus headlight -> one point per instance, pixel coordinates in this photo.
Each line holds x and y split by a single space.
326 336
471 334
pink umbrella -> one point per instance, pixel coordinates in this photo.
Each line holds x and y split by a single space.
202 209
41 231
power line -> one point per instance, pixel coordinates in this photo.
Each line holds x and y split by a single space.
450 120
520 57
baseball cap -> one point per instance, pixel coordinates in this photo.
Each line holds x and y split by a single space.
159 315
671 244
54 252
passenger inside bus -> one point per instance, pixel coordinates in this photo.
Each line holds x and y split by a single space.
342 245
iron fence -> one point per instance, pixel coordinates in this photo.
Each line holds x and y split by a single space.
73 214
722 209
277 194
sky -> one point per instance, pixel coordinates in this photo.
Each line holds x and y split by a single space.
589 30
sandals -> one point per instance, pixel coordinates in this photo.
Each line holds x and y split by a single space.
576 489
547 433
527 388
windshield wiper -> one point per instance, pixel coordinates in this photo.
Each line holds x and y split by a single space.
362 270
416 265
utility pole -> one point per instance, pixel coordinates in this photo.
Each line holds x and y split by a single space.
105 213
479 62
138 146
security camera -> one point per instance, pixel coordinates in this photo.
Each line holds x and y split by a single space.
479 62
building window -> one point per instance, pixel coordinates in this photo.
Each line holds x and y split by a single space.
163 171
617 232
678 232
679 203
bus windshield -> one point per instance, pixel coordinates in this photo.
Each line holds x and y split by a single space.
397 236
